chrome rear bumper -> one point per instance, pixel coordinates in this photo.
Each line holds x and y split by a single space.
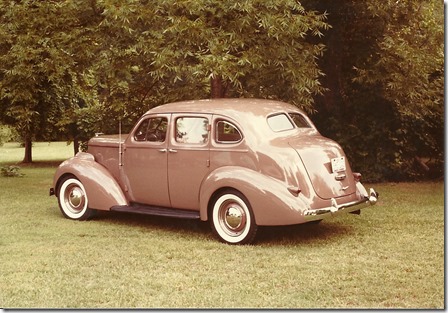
335 209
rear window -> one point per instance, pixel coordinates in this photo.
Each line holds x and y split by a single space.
299 120
280 122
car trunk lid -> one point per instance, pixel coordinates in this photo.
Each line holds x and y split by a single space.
326 166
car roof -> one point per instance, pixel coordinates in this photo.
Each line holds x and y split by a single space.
232 107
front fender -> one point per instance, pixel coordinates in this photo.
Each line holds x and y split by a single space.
270 199
103 191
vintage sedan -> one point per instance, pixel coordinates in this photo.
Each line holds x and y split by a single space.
237 163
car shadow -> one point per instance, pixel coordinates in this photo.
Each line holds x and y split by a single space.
309 233
182 227
321 233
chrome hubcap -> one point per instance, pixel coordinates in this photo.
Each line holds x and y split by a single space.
75 198
232 218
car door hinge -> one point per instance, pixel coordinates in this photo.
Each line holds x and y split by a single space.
208 163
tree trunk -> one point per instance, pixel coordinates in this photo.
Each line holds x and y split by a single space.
219 88
75 145
28 158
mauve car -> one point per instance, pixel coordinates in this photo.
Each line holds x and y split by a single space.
237 163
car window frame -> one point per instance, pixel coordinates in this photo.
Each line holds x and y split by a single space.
143 120
282 130
304 118
215 133
173 128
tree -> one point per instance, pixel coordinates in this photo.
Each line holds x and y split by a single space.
409 69
226 46
41 73
153 53
384 67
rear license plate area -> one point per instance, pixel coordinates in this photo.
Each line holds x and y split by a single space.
338 164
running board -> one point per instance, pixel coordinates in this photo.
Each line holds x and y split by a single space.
158 211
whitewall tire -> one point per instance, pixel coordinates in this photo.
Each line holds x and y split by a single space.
232 219
72 198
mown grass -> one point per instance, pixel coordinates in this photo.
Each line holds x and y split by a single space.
391 256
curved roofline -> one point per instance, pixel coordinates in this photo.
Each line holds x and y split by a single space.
262 107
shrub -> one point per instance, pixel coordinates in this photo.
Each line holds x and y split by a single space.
11 171
6 134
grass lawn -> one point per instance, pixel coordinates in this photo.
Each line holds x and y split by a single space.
390 256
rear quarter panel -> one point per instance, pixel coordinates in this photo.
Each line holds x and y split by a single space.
269 198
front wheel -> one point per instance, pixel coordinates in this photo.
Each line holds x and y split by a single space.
73 200
232 219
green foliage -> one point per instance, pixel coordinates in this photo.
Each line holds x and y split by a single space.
248 46
11 171
7 134
384 69
409 68
43 72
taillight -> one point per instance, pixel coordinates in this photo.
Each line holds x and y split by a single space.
357 177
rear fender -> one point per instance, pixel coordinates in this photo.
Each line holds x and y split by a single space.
270 199
103 191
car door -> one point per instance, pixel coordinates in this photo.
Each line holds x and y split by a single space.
188 158
145 161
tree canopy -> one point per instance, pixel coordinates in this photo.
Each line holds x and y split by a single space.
385 73
43 68
372 72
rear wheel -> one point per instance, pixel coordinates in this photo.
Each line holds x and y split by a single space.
232 219
73 200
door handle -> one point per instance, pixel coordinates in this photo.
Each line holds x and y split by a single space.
172 151
162 150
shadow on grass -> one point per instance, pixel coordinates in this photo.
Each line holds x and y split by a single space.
182 227
322 233
35 164
40 163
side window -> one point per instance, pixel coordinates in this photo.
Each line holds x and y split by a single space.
192 130
299 120
152 129
227 133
